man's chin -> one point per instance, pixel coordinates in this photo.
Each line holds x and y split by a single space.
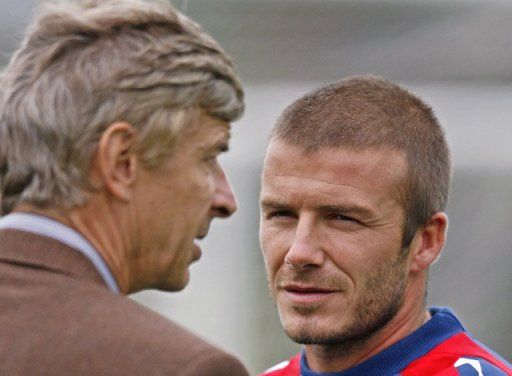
314 333
307 335
183 281
308 328
299 327
174 284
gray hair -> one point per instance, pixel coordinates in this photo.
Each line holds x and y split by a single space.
86 64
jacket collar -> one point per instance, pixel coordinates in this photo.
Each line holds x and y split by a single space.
38 251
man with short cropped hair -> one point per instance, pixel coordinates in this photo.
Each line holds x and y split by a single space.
355 182
112 116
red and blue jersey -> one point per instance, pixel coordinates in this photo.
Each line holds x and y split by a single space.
441 347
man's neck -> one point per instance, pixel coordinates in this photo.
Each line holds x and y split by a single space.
91 224
342 356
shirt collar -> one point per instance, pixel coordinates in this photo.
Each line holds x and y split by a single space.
442 325
45 226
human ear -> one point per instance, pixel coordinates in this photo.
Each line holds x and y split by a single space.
116 160
430 242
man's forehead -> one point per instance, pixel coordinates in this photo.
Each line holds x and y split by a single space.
379 168
362 159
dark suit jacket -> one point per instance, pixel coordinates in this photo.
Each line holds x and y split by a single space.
57 317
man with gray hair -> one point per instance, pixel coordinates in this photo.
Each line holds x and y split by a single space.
112 116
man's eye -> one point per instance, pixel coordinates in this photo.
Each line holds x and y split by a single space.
344 218
279 214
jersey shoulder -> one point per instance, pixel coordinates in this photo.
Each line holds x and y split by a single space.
287 368
459 356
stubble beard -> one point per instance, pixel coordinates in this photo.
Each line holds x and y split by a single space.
379 301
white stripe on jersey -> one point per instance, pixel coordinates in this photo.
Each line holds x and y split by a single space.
472 362
278 366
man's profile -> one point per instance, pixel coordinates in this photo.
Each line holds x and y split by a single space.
112 116
355 182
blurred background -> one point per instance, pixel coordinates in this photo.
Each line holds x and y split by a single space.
457 55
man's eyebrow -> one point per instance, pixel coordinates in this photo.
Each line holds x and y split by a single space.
346 208
268 203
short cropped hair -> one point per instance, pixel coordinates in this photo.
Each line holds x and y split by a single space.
86 64
368 112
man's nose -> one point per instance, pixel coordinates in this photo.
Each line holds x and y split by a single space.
305 250
224 200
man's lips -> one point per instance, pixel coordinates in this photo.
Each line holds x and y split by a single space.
196 252
304 294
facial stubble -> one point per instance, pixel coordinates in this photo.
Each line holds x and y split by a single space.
379 300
